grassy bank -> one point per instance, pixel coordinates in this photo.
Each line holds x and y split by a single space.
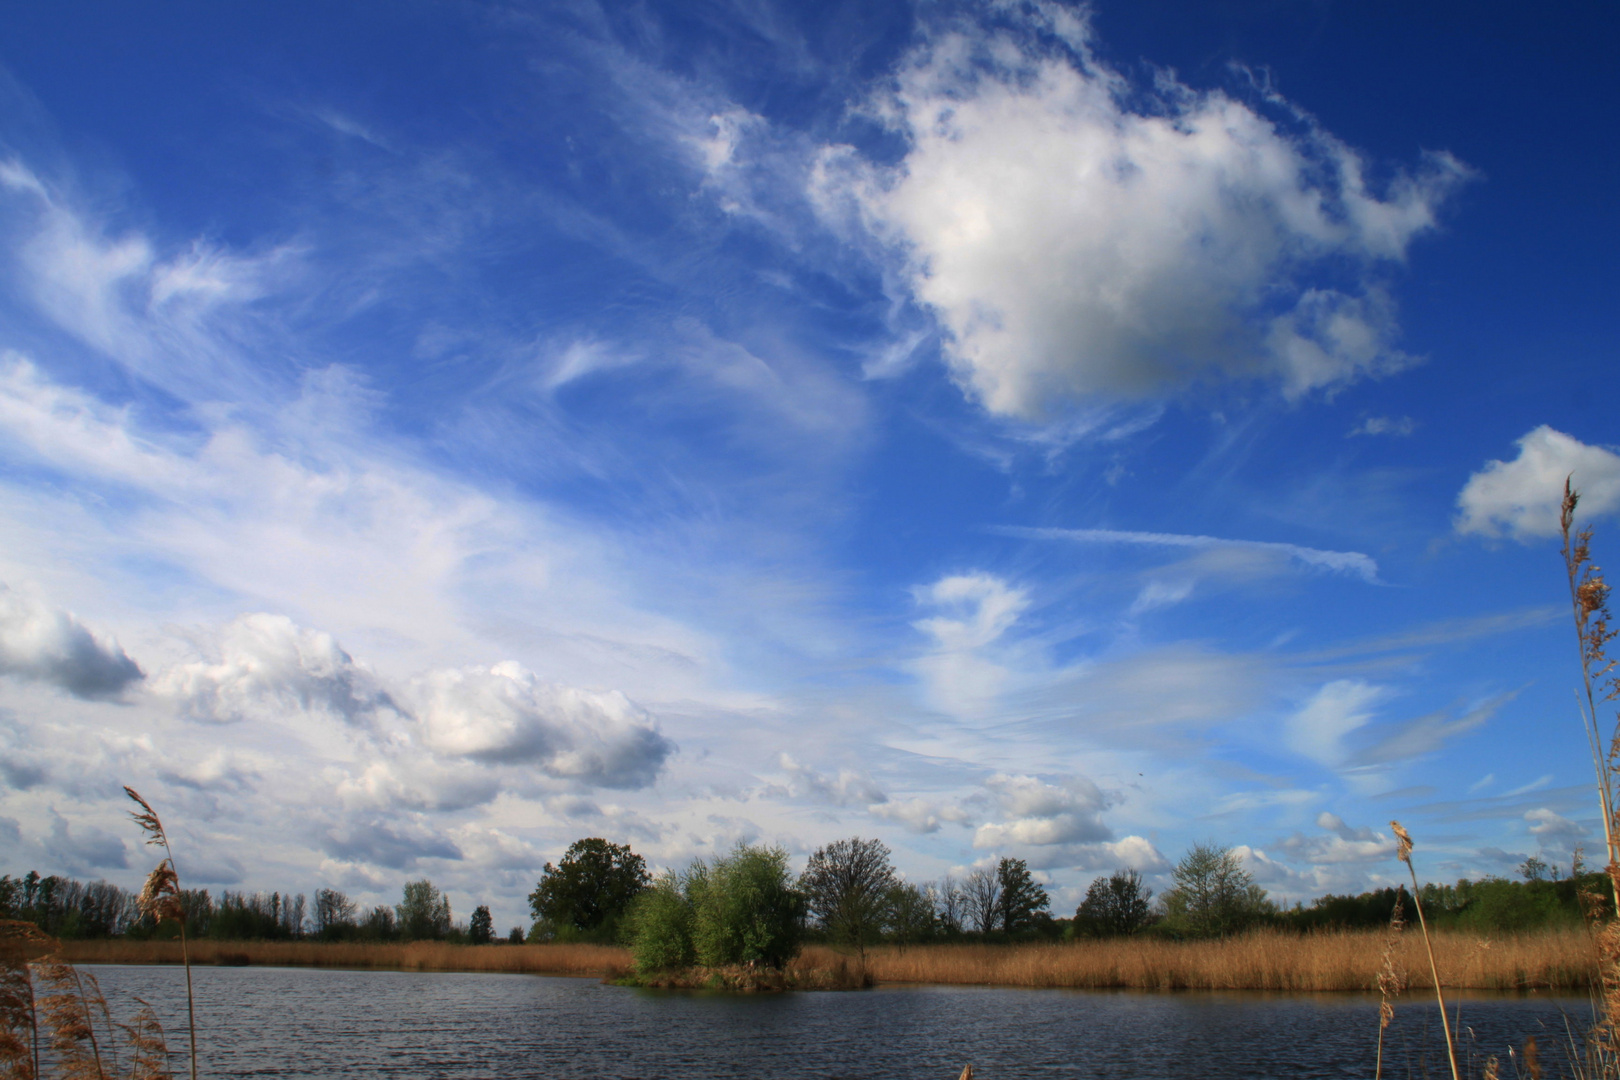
1549 960
1268 960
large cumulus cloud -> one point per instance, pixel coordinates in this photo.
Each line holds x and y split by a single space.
1079 237
266 664
505 714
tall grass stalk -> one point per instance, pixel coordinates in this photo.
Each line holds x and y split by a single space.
1589 600
161 899
1403 848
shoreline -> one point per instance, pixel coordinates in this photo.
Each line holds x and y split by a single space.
1342 961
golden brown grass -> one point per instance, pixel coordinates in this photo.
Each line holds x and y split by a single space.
598 960
1266 960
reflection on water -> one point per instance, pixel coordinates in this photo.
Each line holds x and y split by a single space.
312 1023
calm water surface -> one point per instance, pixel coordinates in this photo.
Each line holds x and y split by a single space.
301 1022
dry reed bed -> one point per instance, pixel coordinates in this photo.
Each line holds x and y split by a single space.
594 960
1549 960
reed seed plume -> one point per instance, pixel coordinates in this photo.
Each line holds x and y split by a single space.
1403 850
162 899
20 943
1589 601
1391 981
148 1051
72 1009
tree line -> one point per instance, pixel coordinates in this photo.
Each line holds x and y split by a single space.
748 907
69 909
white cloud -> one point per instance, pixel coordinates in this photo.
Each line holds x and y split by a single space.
1551 827
1343 845
267 665
1075 245
1385 425
1426 734
1353 563
505 714
848 788
1522 498
922 815
981 607
1157 594
43 644
1319 728
1040 814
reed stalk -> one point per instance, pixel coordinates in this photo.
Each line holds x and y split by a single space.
161 899
1403 848
1588 597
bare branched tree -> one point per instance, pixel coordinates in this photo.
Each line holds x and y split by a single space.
981 899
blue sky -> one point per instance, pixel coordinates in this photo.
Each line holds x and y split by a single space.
431 433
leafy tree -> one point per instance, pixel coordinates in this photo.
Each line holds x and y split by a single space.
1115 905
911 915
591 888
1535 868
480 928
981 899
660 923
746 910
516 936
1021 895
1214 894
847 886
424 912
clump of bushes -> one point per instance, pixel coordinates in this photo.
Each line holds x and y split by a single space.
740 911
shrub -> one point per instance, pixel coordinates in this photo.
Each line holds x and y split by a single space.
745 909
660 926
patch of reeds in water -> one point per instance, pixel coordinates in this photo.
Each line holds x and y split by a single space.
601 961
1265 960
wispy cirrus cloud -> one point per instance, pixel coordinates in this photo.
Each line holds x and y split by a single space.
1352 563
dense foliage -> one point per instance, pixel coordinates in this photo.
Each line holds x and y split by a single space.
1114 906
741 910
588 892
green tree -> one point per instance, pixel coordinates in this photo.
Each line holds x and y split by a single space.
424 913
1115 905
911 916
590 889
1214 895
660 924
480 928
745 909
1021 895
847 886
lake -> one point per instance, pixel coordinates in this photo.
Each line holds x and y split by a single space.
298 1022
